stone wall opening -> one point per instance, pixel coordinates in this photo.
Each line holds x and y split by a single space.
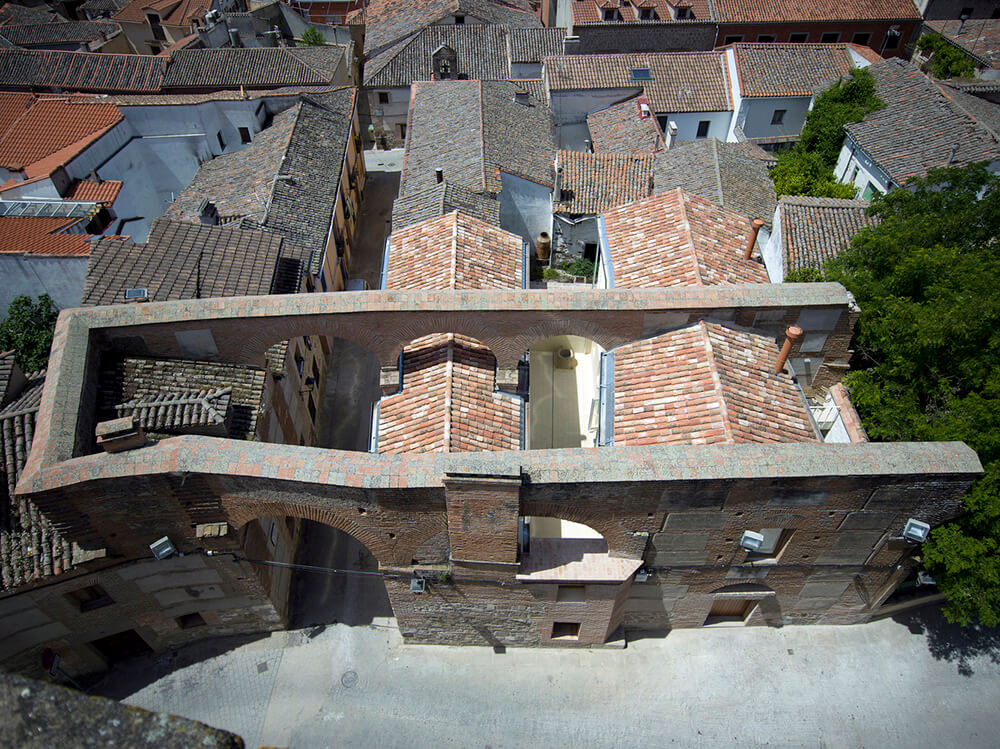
564 392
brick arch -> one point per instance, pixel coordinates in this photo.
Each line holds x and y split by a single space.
384 348
515 346
484 335
620 544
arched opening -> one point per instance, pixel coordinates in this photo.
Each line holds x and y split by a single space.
315 574
564 392
552 548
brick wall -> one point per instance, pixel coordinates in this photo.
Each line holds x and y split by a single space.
616 38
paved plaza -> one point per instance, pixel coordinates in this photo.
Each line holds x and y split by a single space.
913 682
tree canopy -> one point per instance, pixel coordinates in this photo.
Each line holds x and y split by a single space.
927 279
946 60
807 168
312 38
28 329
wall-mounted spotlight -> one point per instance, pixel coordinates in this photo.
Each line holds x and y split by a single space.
752 541
916 531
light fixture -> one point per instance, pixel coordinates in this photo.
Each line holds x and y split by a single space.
916 531
417 585
162 548
752 541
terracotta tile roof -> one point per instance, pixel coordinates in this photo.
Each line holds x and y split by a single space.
35 235
89 191
388 21
595 182
764 11
178 256
454 251
441 199
14 14
12 108
80 71
589 11
705 384
59 33
490 133
448 402
682 81
623 129
101 8
919 126
813 230
257 67
481 54
52 125
532 45
171 12
789 69
679 239
733 175
204 411
977 37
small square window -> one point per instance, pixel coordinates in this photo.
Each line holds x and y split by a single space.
245 135
612 14
571 594
732 39
90 598
190 621
703 128
641 74
766 38
383 97
863 38
683 14
566 630
778 117
222 143
459 19
799 37
891 40
647 14
830 37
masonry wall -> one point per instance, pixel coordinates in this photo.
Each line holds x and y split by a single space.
847 31
616 38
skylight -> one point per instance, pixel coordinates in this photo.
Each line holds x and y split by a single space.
641 74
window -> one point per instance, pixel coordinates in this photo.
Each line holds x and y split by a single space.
308 342
683 14
444 70
647 14
641 74
766 38
90 598
156 27
965 12
612 14
154 49
565 630
830 37
315 369
703 128
401 129
312 409
732 39
891 39
245 135
300 363
775 541
190 621
383 97
459 19
730 610
273 535
222 143
854 174
869 192
799 37
571 594
778 117
863 38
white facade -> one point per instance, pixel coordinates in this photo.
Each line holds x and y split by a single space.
392 112
773 250
855 167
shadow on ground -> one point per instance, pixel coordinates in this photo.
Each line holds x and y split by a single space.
951 642
129 676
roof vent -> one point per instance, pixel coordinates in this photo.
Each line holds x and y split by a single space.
136 295
916 531
641 74
521 97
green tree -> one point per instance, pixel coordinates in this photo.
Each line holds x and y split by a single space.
946 60
312 38
807 168
927 279
27 330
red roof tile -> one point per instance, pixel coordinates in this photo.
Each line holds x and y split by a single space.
34 235
625 128
88 191
705 384
679 239
171 12
765 11
590 11
791 69
595 182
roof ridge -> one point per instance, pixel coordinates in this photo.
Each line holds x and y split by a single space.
453 270
449 391
716 381
718 171
686 228
482 131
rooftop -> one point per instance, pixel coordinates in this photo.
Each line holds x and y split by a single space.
440 199
677 81
921 126
733 175
591 11
679 239
795 69
757 11
30 35
813 230
42 235
706 384
171 12
625 128
256 67
977 37
182 260
80 71
14 14
595 182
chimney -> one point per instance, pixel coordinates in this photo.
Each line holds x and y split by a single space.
234 38
951 156
439 173
208 213
755 228
588 146
521 97
671 133
94 177
792 334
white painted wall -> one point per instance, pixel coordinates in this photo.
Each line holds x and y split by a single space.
687 123
525 208
755 115
573 106
60 277
855 167
774 251
394 112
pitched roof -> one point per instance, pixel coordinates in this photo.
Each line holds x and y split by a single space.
388 21
205 411
87 191
253 67
489 132
30 35
813 230
102 8
182 260
681 81
623 128
705 384
789 69
306 144
679 239
448 402
454 251
481 53
591 11
440 199
38 235
977 37
728 174
764 11
531 45
919 126
171 12
80 71
13 14
595 182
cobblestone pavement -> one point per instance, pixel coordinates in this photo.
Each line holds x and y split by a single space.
915 682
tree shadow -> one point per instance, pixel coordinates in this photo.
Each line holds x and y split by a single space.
953 643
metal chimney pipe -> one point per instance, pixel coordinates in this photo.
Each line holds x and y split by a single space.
792 334
754 230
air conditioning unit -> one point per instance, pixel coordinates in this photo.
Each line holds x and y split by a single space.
162 548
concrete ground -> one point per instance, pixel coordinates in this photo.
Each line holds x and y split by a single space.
913 682
381 188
